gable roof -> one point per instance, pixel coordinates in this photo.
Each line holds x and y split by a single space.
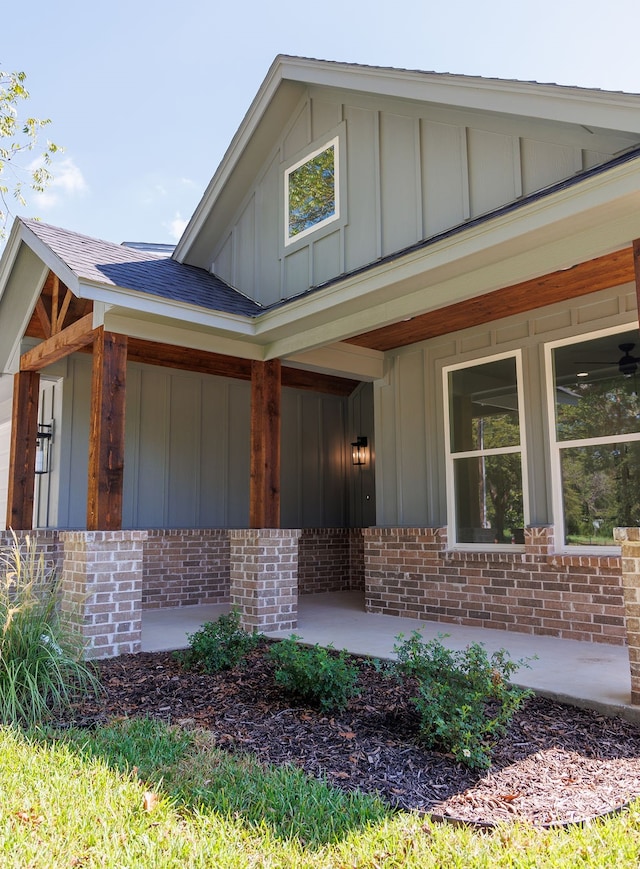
289 77
592 213
97 262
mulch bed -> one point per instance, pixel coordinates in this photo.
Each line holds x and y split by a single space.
558 764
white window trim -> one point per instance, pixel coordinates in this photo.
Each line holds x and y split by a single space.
451 456
291 239
556 446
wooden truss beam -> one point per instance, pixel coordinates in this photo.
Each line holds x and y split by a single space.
62 344
106 432
22 461
264 487
206 362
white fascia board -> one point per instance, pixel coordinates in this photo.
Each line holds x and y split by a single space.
22 234
58 266
590 107
341 359
9 255
122 297
482 279
609 109
237 145
21 302
146 304
179 336
569 226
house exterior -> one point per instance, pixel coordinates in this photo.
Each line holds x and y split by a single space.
436 273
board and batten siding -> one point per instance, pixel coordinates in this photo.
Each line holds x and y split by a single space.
407 172
362 493
187 451
409 404
5 448
313 461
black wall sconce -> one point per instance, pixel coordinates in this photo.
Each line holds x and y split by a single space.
360 450
43 444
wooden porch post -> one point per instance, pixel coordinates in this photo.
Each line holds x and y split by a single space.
106 432
264 492
22 463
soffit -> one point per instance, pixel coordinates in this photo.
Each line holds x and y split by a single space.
601 273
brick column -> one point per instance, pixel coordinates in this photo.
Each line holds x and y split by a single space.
629 540
101 589
264 577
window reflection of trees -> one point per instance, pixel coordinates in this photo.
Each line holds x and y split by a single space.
488 485
600 480
312 192
504 481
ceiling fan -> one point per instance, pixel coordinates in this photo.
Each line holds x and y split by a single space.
627 364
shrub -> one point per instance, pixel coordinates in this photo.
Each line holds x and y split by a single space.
219 645
41 667
465 700
318 676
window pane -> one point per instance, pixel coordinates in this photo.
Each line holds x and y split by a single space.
600 491
596 388
312 192
483 404
489 504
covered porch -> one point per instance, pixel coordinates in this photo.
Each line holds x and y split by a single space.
592 675
144 591
401 571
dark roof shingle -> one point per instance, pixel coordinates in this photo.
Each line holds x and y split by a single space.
115 265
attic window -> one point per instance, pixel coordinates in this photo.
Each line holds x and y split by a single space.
311 192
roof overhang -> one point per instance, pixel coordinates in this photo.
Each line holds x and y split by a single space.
594 217
578 222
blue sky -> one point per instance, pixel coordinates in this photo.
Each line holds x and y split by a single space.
145 97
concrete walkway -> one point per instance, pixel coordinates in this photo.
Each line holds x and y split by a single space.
594 675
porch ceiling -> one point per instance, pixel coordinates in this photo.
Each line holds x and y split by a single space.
318 369
588 277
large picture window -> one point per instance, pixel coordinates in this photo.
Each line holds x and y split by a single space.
486 485
311 192
596 436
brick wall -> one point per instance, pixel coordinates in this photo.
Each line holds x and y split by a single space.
48 542
330 559
407 571
186 567
410 572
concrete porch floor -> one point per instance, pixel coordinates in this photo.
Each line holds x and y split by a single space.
593 675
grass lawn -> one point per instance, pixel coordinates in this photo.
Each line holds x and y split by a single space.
138 794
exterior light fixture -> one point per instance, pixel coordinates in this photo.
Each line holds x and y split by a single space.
43 444
360 451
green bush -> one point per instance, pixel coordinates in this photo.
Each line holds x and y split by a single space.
41 667
219 645
318 676
465 700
